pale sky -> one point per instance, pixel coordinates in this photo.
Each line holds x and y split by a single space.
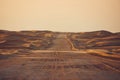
60 15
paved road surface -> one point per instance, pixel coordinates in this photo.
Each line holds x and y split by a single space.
57 65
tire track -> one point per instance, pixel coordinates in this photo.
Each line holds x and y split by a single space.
107 62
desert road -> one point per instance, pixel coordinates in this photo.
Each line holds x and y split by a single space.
59 62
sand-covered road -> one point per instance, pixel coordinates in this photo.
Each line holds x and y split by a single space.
57 65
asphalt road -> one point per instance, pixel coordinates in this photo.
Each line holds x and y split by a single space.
58 65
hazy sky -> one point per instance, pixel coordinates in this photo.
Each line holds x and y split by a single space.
60 15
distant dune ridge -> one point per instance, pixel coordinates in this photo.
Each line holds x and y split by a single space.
37 40
25 39
96 40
